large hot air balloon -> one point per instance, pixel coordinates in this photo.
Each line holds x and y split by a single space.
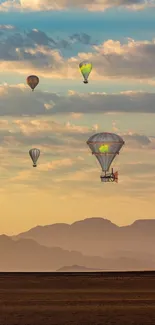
32 81
85 68
34 154
105 146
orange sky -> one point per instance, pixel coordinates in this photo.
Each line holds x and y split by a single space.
62 113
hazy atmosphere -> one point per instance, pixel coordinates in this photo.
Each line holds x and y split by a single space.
50 40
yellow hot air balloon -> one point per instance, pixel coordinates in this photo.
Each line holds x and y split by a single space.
85 68
32 81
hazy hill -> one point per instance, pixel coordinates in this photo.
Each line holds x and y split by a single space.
27 255
77 268
98 236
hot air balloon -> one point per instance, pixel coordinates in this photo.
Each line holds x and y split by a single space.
32 81
34 154
105 146
85 68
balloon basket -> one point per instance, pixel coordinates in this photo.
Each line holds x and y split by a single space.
110 178
34 165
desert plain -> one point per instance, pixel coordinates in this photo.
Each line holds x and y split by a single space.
109 298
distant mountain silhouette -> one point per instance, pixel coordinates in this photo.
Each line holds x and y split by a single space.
99 237
77 268
28 255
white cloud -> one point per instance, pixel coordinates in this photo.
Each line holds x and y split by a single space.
92 5
7 27
112 59
49 105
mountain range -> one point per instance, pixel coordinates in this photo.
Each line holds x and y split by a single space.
94 244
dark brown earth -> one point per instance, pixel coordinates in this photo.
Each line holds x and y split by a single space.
77 298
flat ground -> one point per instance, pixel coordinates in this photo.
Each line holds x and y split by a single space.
77 298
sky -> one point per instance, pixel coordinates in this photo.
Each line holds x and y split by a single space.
50 40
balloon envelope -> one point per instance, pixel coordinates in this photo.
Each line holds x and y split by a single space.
105 146
85 68
32 81
34 154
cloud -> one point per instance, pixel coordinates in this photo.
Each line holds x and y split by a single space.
133 138
76 115
66 159
40 38
6 27
41 54
59 164
22 176
48 127
81 38
137 169
59 139
34 44
17 100
134 59
92 5
87 174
